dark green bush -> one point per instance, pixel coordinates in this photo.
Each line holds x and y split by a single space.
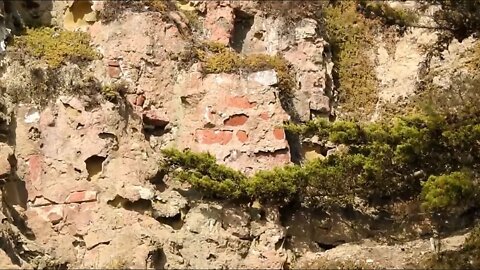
459 18
383 162
448 191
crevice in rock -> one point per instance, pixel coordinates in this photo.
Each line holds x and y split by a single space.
176 222
79 9
157 259
94 166
79 14
293 140
111 138
242 25
157 180
280 243
154 127
326 246
141 206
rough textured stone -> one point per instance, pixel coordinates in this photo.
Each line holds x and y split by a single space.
94 196
265 78
6 154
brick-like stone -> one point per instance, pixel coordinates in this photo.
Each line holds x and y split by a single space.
155 118
34 168
236 120
242 136
52 213
240 102
140 100
209 136
114 72
82 196
264 116
113 63
279 133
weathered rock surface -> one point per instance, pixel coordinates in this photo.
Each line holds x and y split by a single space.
84 177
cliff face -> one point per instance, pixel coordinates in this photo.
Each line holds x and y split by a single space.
80 178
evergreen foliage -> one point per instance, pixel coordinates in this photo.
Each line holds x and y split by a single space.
384 162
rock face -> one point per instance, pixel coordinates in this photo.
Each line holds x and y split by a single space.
89 190
80 179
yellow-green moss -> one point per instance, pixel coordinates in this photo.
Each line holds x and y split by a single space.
351 36
474 63
218 58
56 47
112 91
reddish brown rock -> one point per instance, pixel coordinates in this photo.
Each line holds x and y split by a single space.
82 196
219 22
236 120
279 156
140 100
242 136
80 216
264 116
209 136
113 63
34 168
279 133
155 118
5 154
114 72
53 213
240 102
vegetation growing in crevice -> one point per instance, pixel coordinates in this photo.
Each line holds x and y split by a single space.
113 91
39 85
383 162
218 58
350 35
55 47
114 9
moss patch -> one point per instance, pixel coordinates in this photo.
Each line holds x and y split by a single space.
382 163
218 58
351 35
55 47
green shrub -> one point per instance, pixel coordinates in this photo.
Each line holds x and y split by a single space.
204 174
458 18
383 162
56 47
448 191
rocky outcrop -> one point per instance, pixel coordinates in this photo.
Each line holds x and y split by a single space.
82 173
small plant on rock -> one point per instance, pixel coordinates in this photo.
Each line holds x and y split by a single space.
56 47
113 91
